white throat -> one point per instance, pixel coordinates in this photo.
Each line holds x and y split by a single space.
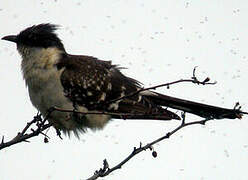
41 59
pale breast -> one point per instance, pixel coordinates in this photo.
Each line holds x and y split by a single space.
45 90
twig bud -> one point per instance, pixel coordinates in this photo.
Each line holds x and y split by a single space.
154 154
46 140
206 80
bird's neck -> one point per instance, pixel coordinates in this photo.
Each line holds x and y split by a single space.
38 60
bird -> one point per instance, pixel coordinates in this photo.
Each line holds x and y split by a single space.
55 78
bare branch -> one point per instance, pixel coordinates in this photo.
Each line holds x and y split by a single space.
43 124
193 80
102 172
22 136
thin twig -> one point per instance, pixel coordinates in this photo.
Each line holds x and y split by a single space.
23 138
41 125
193 80
120 115
102 172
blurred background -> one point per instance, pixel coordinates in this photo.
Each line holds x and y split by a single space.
157 41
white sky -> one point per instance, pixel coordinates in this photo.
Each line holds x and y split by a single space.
158 41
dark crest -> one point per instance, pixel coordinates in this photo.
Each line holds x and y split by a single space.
42 35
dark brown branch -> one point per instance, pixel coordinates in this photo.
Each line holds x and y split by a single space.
102 172
193 80
41 125
137 116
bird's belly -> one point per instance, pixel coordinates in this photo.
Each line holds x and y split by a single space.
48 92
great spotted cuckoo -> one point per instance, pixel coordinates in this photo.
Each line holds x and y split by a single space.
57 79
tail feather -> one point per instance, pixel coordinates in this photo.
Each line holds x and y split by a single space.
203 110
165 115
144 109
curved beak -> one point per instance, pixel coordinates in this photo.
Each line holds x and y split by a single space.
12 38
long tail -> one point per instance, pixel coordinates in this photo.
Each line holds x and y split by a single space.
203 110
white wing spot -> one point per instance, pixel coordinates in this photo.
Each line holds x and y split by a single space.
123 88
103 96
109 86
89 93
114 106
122 94
84 85
148 93
72 84
78 82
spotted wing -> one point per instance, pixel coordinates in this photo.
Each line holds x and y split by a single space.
92 83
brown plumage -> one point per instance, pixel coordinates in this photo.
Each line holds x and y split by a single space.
90 82
84 83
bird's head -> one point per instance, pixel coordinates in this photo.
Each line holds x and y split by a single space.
37 36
